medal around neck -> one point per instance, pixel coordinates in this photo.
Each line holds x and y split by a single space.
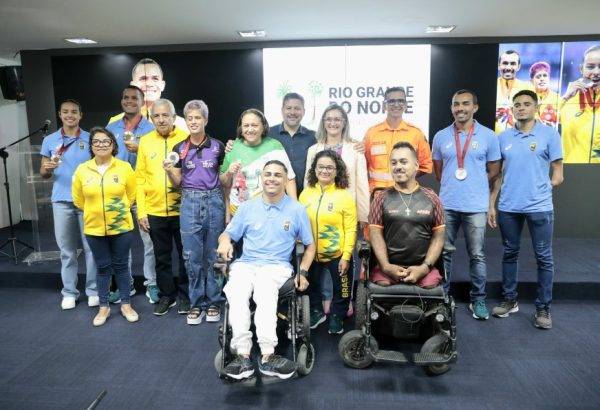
173 157
128 136
460 173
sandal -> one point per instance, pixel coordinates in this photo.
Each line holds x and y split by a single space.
195 316
213 314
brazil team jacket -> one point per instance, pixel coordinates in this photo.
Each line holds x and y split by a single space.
105 199
156 195
332 214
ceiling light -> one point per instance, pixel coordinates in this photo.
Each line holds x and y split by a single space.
439 29
252 33
81 41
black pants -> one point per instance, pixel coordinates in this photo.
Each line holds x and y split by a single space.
341 287
163 231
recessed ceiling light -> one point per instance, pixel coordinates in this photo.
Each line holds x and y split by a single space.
252 33
81 41
439 29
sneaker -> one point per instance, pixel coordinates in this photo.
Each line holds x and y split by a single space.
542 319
164 304
195 316
68 302
152 294
239 368
336 325
316 318
479 309
93 301
128 313
101 316
505 308
115 297
277 366
213 314
183 307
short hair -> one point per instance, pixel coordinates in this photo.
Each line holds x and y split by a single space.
163 101
70 101
292 96
394 90
276 162
509 52
341 177
196 105
145 61
539 66
467 91
260 115
530 93
136 88
322 134
102 130
408 146
593 48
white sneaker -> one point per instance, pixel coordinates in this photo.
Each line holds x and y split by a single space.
68 302
93 301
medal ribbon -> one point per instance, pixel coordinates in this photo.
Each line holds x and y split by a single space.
588 97
63 148
461 154
133 125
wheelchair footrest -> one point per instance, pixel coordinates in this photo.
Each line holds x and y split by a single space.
424 359
390 356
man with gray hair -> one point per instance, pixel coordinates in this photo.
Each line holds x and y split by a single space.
158 202
202 218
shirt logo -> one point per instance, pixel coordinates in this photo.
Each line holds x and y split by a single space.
286 225
81 145
423 212
532 146
209 163
509 146
475 144
330 206
153 155
116 179
448 145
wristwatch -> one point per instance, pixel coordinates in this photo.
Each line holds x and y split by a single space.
304 272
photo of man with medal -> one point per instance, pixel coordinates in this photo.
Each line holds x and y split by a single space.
466 156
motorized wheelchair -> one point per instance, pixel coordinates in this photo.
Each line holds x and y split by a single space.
405 314
293 322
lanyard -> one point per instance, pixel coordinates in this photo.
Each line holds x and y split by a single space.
588 97
461 154
63 148
133 125
186 147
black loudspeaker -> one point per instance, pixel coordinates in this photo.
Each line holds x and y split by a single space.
11 83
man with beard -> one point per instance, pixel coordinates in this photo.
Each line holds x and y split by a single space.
508 85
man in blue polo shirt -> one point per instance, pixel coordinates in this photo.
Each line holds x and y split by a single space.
128 130
62 152
465 155
202 214
269 226
531 151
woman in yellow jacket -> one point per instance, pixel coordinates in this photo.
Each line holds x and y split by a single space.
332 213
104 188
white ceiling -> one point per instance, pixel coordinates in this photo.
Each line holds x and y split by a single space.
44 24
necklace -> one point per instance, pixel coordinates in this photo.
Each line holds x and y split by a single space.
407 210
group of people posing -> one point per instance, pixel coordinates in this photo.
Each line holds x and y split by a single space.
275 185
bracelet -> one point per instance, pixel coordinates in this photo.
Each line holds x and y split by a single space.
304 272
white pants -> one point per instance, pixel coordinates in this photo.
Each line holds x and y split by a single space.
264 282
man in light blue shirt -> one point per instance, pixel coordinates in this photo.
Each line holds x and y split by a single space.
269 226
465 156
62 152
128 130
530 153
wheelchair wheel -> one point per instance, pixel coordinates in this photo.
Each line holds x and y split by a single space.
438 343
306 359
305 316
360 309
352 349
219 363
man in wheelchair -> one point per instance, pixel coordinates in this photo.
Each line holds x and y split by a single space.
269 226
402 296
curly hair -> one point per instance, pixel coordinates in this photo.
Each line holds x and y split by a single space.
262 118
341 177
110 135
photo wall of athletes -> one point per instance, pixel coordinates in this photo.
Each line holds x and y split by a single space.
566 78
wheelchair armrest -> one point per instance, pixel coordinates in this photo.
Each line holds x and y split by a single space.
364 249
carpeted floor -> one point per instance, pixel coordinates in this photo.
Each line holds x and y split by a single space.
53 359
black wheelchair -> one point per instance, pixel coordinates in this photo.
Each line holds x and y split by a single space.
406 315
293 323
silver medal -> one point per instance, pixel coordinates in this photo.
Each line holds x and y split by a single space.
460 173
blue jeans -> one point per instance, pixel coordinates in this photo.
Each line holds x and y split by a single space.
540 226
111 254
202 219
474 229
68 229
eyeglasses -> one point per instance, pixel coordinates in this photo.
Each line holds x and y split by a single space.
335 120
101 143
328 168
396 101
